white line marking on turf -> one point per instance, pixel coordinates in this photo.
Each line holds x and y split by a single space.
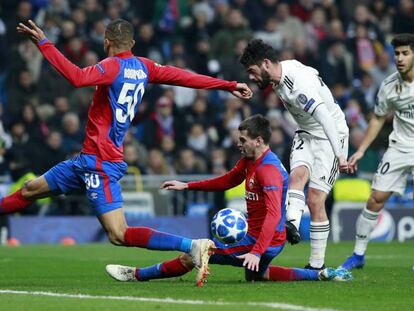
272 305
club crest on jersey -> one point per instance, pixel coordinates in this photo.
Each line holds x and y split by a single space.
302 99
251 182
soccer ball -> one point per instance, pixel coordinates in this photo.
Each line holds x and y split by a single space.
229 226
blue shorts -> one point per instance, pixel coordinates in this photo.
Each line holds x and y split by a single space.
99 178
226 254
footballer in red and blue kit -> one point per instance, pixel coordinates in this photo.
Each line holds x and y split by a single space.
266 189
120 85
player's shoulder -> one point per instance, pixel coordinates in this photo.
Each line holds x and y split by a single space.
271 161
295 74
391 80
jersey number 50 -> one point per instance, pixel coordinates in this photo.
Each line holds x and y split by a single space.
131 101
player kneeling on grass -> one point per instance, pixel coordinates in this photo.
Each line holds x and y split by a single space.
266 189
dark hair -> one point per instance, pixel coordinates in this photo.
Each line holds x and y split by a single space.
403 39
257 125
256 51
120 32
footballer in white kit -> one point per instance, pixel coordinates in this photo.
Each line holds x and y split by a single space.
395 94
320 146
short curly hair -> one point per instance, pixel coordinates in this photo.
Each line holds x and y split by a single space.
255 53
403 39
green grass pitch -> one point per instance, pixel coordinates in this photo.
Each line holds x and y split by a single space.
386 282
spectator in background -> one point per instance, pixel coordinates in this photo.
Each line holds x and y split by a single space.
145 41
382 69
218 161
168 149
160 124
337 65
189 164
316 29
131 158
290 26
50 154
198 140
23 91
157 164
72 133
224 41
354 115
404 17
271 34
230 64
36 128
61 107
366 91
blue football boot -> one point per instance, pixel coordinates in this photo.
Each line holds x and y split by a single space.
354 262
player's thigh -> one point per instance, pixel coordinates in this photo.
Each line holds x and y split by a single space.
63 178
392 172
115 225
301 153
326 166
36 189
101 179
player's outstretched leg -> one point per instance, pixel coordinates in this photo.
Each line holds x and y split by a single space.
283 274
168 269
14 202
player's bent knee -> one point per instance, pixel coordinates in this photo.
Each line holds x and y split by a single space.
116 237
187 261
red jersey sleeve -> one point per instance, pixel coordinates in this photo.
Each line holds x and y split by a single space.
271 182
103 73
227 181
176 76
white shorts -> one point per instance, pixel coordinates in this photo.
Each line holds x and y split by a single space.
392 172
317 155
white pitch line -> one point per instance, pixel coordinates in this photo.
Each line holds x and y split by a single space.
271 305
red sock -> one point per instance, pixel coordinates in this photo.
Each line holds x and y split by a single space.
14 203
281 274
138 236
167 269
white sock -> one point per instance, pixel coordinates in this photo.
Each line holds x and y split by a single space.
364 226
295 207
319 232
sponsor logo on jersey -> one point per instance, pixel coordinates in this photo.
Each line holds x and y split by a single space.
251 196
130 73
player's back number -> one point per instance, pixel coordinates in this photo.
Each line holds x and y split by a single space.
130 95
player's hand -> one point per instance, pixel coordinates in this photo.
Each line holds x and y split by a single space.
343 165
251 261
353 161
174 185
33 32
242 91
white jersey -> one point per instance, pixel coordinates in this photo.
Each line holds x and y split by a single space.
397 95
302 91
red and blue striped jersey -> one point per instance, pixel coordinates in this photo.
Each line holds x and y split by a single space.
266 190
120 83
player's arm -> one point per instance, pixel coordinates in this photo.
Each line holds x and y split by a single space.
103 73
374 126
175 76
271 181
224 182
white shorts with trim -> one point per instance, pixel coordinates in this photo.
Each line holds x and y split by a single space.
317 155
393 170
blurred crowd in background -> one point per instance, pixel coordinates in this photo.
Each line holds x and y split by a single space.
180 130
